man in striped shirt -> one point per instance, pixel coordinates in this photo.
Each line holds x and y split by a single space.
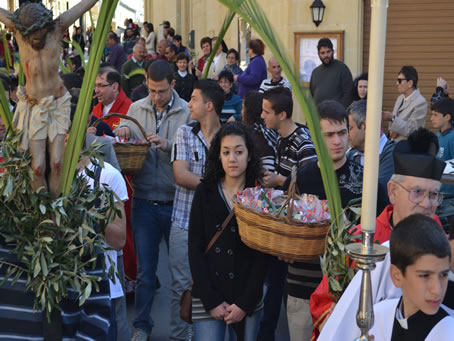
294 145
294 148
274 68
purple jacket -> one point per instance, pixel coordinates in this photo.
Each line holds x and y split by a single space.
117 57
253 76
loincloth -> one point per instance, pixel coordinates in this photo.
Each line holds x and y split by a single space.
41 120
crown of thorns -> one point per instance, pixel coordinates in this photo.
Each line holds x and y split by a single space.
32 17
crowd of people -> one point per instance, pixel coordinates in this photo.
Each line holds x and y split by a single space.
211 138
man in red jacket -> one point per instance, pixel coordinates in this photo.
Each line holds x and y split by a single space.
111 98
414 188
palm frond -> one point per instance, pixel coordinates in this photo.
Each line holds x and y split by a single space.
225 26
76 45
92 22
253 13
63 68
135 72
5 112
6 51
79 126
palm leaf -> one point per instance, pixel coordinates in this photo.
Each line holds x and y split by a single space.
6 51
92 22
225 26
5 113
79 125
18 68
252 12
135 72
63 68
76 45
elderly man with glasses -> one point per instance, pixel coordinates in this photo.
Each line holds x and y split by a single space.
410 109
111 98
413 188
160 114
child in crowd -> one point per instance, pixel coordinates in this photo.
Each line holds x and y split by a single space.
231 111
184 81
420 262
441 118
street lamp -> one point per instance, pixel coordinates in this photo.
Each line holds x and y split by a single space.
317 11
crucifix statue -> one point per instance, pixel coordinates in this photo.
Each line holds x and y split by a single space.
43 111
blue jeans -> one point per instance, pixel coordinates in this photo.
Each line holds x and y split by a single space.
275 282
181 277
214 330
149 223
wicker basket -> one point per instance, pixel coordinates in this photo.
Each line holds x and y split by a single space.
281 236
130 156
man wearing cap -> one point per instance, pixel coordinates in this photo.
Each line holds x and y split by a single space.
413 188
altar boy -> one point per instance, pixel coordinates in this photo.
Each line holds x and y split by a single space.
420 261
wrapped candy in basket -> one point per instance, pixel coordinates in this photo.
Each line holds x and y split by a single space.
288 226
130 154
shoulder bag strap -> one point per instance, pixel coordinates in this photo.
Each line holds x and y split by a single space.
216 236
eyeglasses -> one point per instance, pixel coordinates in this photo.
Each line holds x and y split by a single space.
161 93
400 80
102 86
417 196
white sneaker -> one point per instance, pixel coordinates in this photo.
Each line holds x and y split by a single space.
139 335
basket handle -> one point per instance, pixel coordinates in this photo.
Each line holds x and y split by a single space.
95 123
293 193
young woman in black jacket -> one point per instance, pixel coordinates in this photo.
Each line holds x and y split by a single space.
228 280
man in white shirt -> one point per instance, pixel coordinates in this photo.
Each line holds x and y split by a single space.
115 236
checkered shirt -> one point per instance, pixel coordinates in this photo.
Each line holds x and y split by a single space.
190 146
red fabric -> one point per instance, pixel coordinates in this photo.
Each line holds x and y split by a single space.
147 58
129 255
320 301
200 64
120 106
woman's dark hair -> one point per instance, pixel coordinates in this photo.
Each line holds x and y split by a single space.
361 77
257 46
205 40
227 75
235 52
252 107
213 168
149 27
223 44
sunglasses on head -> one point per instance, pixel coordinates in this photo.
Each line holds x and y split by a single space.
399 80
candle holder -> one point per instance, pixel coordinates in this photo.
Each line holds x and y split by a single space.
367 254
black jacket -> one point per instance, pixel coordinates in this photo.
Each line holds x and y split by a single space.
231 271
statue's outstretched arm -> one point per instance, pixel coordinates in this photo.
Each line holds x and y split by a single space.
71 15
5 17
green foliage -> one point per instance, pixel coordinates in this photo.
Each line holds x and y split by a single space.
64 69
55 241
135 72
76 45
5 112
79 125
7 52
19 70
337 265
225 26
